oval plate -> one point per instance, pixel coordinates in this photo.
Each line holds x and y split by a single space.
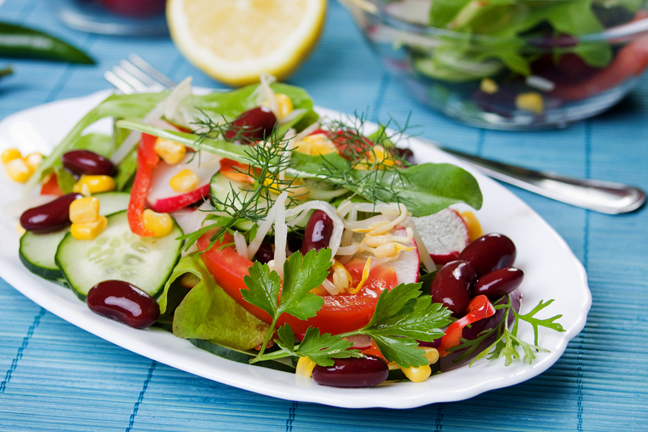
552 272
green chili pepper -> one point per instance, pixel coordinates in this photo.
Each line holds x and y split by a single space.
23 42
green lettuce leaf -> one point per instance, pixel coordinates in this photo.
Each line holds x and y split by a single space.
208 313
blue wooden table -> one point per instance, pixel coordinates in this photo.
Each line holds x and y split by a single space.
54 376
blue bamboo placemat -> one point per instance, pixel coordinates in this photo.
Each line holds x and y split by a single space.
54 376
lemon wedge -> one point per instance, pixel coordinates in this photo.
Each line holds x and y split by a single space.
235 41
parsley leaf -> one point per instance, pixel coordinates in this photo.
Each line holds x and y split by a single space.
401 317
301 274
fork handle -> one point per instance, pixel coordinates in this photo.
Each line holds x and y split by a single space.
600 196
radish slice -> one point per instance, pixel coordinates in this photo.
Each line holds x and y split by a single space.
407 264
163 199
445 235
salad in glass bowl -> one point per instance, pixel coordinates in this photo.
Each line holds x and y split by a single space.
247 224
510 64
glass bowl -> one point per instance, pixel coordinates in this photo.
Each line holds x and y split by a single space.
510 65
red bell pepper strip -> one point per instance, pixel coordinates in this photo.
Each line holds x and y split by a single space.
479 308
147 159
51 186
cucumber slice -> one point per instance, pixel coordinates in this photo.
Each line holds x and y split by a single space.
221 188
241 356
37 251
117 253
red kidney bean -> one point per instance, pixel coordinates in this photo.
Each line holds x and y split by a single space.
318 232
123 302
265 254
86 162
352 372
254 124
498 283
451 286
434 344
476 328
405 154
49 217
488 253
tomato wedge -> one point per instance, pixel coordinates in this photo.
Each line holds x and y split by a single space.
147 159
341 313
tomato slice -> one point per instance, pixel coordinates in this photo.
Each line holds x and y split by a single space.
339 314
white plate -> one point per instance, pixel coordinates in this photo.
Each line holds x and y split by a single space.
551 269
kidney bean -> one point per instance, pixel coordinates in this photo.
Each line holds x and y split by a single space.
265 254
318 232
405 154
254 124
488 253
476 328
434 344
123 302
498 283
81 162
49 217
352 372
451 286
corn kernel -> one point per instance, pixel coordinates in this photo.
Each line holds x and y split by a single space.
489 86
171 152
9 155
431 354
185 181
417 374
20 230
92 184
315 145
285 105
472 223
89 230
305 367
530 102
34 159
160 223
18 170
84 210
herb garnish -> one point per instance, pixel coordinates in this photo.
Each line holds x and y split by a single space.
507 342
402 316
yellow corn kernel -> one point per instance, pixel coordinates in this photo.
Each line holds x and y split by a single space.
418 374
92 184
285 105
315 145
489 86
9 155
89 230
431 354
531 101
20 230
185 181
472 223
34 159
171 152
84 210
160 223
18 170
305 367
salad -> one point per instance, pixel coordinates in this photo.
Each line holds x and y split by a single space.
519 59
248 225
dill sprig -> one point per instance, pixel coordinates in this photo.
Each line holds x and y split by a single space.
267 162
369 170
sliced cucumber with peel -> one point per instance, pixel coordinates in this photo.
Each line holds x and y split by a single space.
117 253
37 251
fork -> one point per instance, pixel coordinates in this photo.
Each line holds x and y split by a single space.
136 75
